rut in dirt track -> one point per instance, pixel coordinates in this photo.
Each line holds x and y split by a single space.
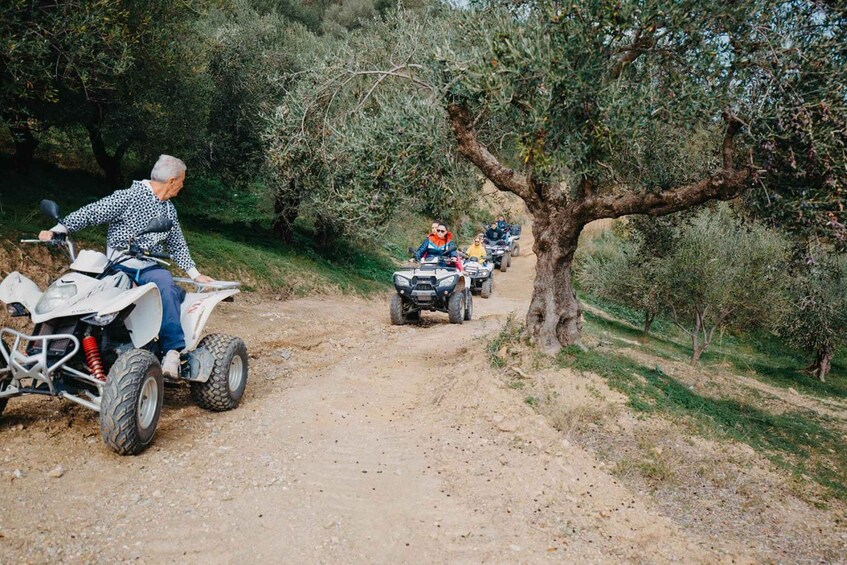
356 442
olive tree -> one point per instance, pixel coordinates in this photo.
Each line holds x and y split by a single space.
817 318
352 146
723 273
624 265
592 93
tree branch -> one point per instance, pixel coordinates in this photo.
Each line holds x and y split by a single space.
724 185
503 177
643 42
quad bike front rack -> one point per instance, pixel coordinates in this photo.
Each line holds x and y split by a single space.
39 369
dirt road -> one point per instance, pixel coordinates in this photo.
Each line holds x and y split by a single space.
356 442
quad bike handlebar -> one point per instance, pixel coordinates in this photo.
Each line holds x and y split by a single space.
59 240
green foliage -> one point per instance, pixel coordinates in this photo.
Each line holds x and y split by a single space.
252 61
360 155
724 272
707 273
628 96
817 319
800 441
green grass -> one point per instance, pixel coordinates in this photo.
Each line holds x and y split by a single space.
757 354
222 249
801 441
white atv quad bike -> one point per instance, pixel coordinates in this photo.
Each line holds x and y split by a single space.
481 273
432 285
94 342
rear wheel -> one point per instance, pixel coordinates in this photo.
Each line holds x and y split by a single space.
468 306
486 288
226 384
131 402
456 308
398 318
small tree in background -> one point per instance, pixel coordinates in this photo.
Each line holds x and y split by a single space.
616 269
722 274
817 318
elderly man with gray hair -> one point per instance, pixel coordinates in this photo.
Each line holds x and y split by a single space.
128 212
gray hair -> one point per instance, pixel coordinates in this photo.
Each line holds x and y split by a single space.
167 168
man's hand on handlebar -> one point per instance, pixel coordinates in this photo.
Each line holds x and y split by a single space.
204 279
45 235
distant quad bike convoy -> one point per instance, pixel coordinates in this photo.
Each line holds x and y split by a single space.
94 342
502 250
437 285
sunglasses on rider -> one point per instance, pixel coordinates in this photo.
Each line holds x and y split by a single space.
441 231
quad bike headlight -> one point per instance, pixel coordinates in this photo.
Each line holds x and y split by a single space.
401 280
483 272
448 281
54 297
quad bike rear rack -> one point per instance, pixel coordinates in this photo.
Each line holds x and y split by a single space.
39 369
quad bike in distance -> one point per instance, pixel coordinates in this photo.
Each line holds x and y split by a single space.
512 237
500 252
434 285
94 342
481 273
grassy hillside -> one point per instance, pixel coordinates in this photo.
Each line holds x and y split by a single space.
223 249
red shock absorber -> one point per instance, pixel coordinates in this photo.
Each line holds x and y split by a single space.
92 357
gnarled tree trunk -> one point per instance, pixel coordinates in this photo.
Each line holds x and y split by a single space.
554 318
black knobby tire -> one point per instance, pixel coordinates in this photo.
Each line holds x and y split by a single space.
398 318
224 389
504 263
468 307
508 259
128 420
516 251
3 386
456 308
486 288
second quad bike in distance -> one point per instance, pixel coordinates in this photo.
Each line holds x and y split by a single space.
433 285
94 342
481 273
500 253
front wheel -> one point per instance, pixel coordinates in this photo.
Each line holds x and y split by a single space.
486 288
131 402
456 308
398 318
468 307
517 250
226 384
504 263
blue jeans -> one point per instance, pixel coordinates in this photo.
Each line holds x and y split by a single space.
171 335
